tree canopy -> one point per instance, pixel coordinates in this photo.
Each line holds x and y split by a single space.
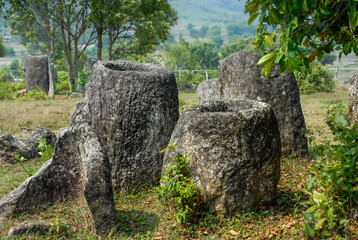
323 25
136 26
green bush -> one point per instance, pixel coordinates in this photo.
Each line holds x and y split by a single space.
333 179
63 82
315 79
34 95
8 90
178 188
82 80
5 72
9 51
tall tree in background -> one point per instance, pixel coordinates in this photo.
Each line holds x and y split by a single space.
32 19
134 26
323 25
205 54
2 48
49 22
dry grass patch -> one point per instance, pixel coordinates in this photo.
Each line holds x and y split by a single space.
15 116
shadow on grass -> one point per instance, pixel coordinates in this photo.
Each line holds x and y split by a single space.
131 223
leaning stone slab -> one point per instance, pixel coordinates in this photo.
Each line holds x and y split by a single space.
36 72
133 108
78 167
353 96
208 90
235 153
28 148
240 78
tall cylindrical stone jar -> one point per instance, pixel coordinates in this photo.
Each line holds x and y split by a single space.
134 108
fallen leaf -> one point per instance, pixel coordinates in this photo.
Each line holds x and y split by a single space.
234 233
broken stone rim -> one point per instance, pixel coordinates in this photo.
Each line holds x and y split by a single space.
131 67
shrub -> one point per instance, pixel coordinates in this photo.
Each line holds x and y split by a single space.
8 90
178 188
9 51
63 82
315 79
333 179
34 95
82 80
5 71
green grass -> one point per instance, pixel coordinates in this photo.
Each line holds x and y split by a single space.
143 215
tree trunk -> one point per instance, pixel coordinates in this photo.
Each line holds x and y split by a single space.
110 50
99 42
51 90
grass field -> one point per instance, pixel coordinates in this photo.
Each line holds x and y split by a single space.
142 215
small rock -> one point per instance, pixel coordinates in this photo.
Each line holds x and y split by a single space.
30 228
208 90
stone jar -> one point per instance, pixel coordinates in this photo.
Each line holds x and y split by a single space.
134 108
235 153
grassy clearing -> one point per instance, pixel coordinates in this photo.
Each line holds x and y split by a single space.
142 215
15 116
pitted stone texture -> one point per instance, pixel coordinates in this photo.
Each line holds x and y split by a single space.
28 148
240 78
79 167
353 96
235 152
133 107
89 64
208 91
36 72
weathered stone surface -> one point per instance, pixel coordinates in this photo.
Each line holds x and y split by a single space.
208 90
133 107
235 152
79 167
240 78
353 96
89 63
29 228
36 72
10 146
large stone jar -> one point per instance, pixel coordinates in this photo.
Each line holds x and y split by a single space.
36 72
235 152
240 77
134 108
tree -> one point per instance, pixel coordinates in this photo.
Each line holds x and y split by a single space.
32 20
235 46
234 29
179 55
203 31
205 54
323 25
218 40
2 48
194 33
214 31
135 26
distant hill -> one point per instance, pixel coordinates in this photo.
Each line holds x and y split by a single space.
211 12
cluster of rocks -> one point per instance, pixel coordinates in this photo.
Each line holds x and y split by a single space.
240 78
129 115
27 148
114 140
